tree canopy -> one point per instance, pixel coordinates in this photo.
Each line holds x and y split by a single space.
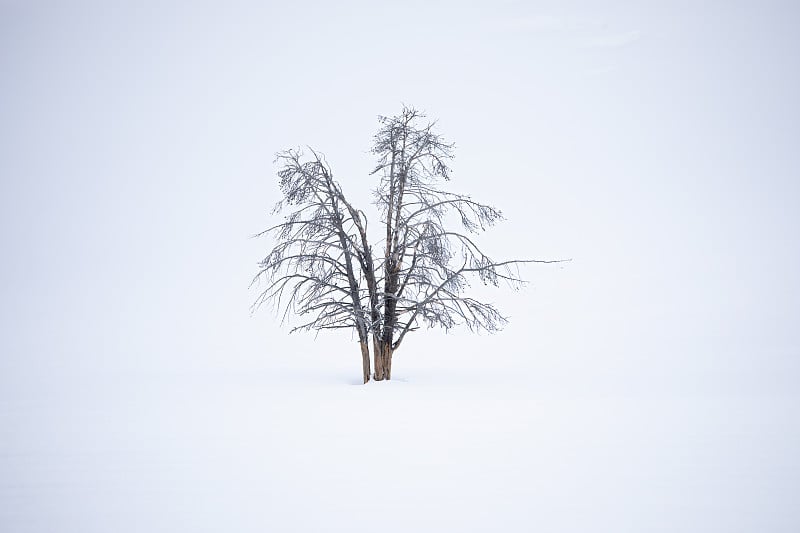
322 266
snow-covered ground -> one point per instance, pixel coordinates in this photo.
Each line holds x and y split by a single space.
303 447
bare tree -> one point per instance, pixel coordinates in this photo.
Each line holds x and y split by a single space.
314 270
323 263
429 251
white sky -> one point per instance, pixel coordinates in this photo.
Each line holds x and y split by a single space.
655 145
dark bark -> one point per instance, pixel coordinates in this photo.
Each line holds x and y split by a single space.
383 361
365 360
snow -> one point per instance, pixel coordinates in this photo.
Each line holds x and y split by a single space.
303 447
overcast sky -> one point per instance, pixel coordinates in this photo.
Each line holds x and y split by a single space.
655 144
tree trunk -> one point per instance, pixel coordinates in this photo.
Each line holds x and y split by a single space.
377 349
365 360
383 361
387 362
